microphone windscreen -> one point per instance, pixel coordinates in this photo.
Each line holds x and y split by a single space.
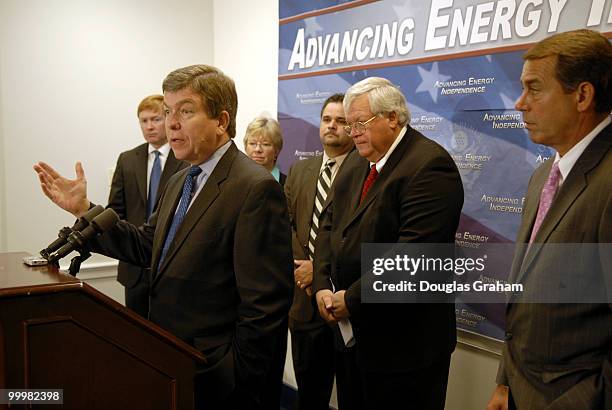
87 218
106 220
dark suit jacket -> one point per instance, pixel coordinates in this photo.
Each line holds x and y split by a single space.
225 285
128 197
300 190
417 197
559 356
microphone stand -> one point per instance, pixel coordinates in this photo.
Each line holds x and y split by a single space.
77 240
75 263
62 235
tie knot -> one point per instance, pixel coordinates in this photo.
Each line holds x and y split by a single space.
330 163
373 172
194 170
157 153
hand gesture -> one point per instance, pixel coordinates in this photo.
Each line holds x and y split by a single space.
68 194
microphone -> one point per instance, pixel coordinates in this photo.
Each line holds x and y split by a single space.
77 239
63 234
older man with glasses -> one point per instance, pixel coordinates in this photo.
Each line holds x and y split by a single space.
398 186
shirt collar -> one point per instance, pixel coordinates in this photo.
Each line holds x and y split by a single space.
164 150
276 173
566 162
209 165
338 158
381 162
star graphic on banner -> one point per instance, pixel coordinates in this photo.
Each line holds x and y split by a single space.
312 27
428 80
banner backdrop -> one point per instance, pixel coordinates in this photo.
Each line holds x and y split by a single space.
458 63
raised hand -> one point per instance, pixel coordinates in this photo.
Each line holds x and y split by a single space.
68 194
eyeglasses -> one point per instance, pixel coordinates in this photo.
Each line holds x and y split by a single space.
359 127
262 145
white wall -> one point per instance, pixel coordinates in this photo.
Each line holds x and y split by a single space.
471 378
3 233
72 73
246 48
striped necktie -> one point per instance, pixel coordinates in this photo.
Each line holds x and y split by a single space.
323 185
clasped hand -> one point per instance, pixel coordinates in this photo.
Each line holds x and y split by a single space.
303 274
332 306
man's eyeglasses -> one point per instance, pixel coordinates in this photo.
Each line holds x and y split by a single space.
359 127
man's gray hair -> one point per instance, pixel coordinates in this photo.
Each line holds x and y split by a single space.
384 97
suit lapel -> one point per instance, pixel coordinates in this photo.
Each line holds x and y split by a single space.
165 214
571 189
339 173
530 213
310 179
170 168
141 171
383 176
210 191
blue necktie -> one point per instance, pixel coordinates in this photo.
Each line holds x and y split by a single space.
156 172
188 191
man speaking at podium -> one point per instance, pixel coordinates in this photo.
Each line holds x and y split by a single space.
218 245
138 181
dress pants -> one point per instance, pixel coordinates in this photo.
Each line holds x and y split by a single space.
416 389
349 380
271 394
312 348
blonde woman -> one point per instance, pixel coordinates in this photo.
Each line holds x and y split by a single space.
263 142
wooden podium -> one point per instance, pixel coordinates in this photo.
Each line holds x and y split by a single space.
57 332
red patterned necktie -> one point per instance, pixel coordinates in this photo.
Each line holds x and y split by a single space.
546 198
368 182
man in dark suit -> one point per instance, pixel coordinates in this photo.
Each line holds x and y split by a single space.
307 189
217 245
398 186
559 355
139 179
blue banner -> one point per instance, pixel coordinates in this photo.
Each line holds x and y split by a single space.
458 63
